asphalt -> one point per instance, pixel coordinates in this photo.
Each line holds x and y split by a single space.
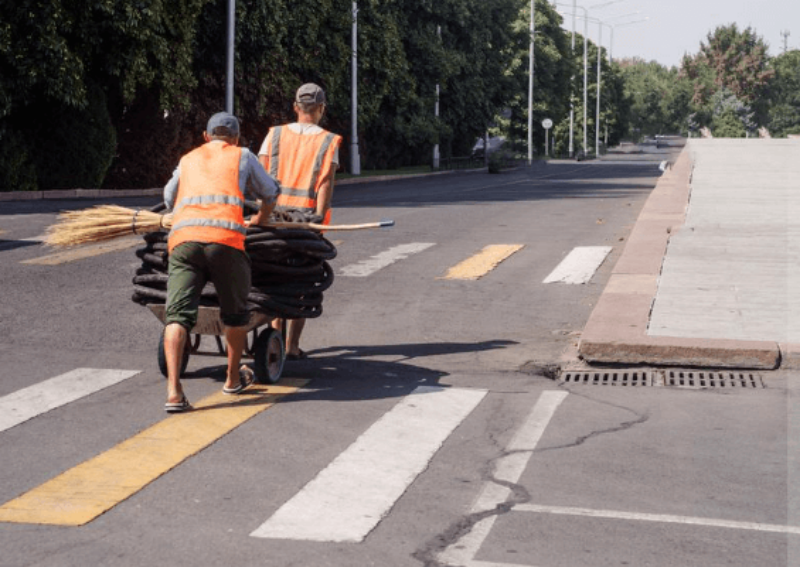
709 274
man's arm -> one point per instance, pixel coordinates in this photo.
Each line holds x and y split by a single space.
325 195
265 188
171 189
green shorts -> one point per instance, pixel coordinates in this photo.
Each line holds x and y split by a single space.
191 266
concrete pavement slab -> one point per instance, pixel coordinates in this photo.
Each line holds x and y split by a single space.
721 235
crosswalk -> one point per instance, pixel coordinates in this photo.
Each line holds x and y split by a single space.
400 445
578 267
343 503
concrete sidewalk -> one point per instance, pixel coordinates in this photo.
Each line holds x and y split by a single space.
709 276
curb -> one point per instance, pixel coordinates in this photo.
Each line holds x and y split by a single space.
616 332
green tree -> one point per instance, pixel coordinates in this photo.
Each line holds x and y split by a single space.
784 95
732 59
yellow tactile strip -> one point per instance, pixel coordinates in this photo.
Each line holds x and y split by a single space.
86 491
482 263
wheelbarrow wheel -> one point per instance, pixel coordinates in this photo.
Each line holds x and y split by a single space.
162 356
268 356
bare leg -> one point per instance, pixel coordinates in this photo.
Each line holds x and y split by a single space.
174 342
237 339
294 328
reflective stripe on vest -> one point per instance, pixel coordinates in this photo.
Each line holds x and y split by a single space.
301 162
209 205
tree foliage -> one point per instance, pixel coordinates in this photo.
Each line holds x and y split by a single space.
140 78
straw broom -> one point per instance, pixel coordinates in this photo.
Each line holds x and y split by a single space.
107 222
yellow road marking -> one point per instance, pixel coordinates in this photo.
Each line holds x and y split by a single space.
482 263
86 491
84 252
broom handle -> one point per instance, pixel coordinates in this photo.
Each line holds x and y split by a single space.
316 226
167 222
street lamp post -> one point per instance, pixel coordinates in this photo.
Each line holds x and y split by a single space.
229 56
599 71
436 112
355 159
572 83
530 89
585 75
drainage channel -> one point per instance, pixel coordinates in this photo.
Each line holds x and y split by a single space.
668 378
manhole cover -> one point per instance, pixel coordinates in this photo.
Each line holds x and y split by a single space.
610 378
717 379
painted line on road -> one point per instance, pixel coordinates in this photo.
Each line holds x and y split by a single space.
27 403
371 265
508 469
662 518
348 498
88 490
84 252
482 263
580 265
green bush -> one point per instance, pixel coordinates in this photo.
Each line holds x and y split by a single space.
71 148
17 170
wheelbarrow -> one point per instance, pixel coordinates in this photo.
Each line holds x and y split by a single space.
265 347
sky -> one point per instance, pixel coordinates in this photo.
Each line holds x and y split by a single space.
675 27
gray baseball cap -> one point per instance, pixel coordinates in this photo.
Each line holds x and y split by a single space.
310 94
225 120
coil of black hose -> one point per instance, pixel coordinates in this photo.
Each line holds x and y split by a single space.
289 266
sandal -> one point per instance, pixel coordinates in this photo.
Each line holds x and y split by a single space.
301 355
178 407
245 379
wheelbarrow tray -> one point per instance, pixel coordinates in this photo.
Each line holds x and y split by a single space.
266 347
208 319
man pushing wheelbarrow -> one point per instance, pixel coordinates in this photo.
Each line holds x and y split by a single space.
207 193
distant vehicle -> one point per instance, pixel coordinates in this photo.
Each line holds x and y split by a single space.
495 143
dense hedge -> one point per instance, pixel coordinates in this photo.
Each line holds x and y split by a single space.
137 79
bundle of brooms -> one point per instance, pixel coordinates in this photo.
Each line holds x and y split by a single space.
108 222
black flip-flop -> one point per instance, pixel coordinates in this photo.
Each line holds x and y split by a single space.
301 355
178 407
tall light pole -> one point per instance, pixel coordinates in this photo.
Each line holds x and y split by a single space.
436 111
229 56
355 159
530 89
599 71
572 83
585 73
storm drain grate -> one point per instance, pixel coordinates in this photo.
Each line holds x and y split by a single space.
704 379
670 378
611 378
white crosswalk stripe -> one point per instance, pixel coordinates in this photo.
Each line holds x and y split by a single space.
580 265
22 405
351 496
371 265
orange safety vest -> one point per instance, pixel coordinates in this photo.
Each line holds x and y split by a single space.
209 206
300 162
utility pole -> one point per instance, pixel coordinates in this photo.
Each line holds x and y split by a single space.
355 159
436 110
229 56
572 84
530 90
786 35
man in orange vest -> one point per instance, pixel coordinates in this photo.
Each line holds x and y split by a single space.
207 242
303 157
